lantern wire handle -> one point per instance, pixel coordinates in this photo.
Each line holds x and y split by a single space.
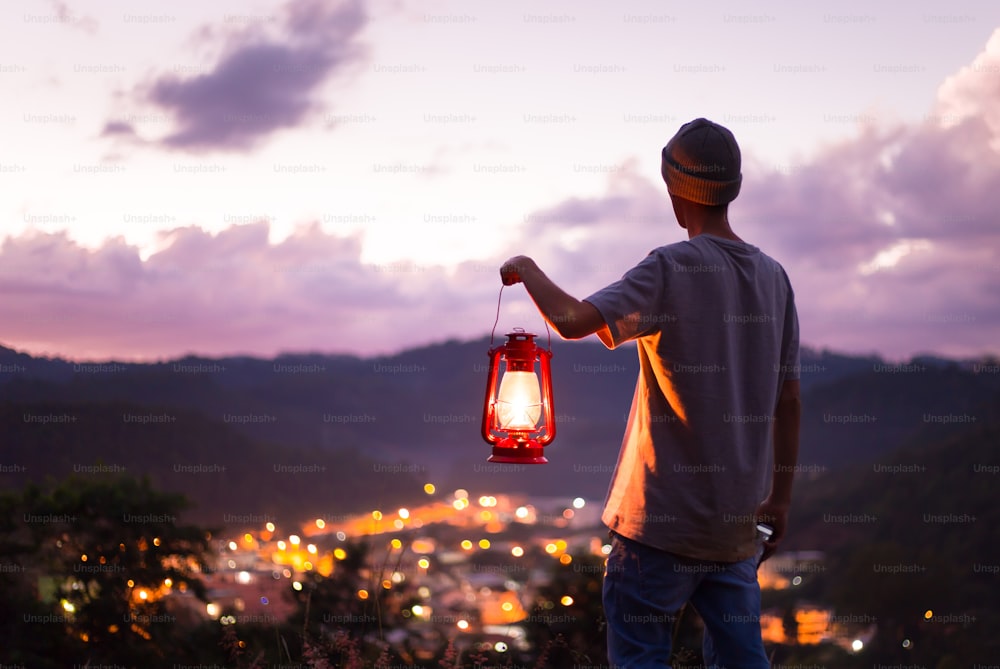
498 316
493 333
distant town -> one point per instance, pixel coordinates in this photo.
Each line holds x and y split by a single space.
474 565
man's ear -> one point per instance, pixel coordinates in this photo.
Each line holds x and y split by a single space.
678 211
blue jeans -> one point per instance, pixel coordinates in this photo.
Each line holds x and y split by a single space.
645 588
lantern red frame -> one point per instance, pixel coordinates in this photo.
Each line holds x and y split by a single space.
519 446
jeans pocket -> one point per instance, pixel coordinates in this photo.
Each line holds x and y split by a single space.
746 569
614 566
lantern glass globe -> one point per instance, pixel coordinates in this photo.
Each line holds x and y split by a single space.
519 401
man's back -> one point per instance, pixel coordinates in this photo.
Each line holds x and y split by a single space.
718 347
717 336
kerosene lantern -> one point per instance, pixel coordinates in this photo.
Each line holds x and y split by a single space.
513 412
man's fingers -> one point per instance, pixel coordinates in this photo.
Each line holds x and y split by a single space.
509 274
770 548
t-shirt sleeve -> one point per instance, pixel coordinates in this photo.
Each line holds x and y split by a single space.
631 307
790 365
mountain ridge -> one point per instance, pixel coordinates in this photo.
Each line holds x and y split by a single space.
423 406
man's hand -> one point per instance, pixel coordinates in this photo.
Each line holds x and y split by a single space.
511 271
774 514
571 318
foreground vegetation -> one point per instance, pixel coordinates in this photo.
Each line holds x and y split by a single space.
100 570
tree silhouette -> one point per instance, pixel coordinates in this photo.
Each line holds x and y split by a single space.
111 562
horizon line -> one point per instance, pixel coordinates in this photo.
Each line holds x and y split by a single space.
816 350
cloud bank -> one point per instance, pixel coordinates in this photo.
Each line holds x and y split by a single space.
228 293
890 239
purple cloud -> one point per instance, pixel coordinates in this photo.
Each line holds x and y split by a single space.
87 24
889 238
233 292
261 84
119 128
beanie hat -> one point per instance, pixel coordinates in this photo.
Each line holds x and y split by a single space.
701 163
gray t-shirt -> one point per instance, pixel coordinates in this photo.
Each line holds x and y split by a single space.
717 335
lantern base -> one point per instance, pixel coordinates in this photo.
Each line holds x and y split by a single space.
520 453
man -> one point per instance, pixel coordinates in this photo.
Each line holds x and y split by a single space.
712 436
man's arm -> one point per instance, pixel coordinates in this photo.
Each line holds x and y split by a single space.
774 509
570 317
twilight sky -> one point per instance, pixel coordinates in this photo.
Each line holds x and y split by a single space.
306 175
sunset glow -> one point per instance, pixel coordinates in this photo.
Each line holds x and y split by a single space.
221 179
